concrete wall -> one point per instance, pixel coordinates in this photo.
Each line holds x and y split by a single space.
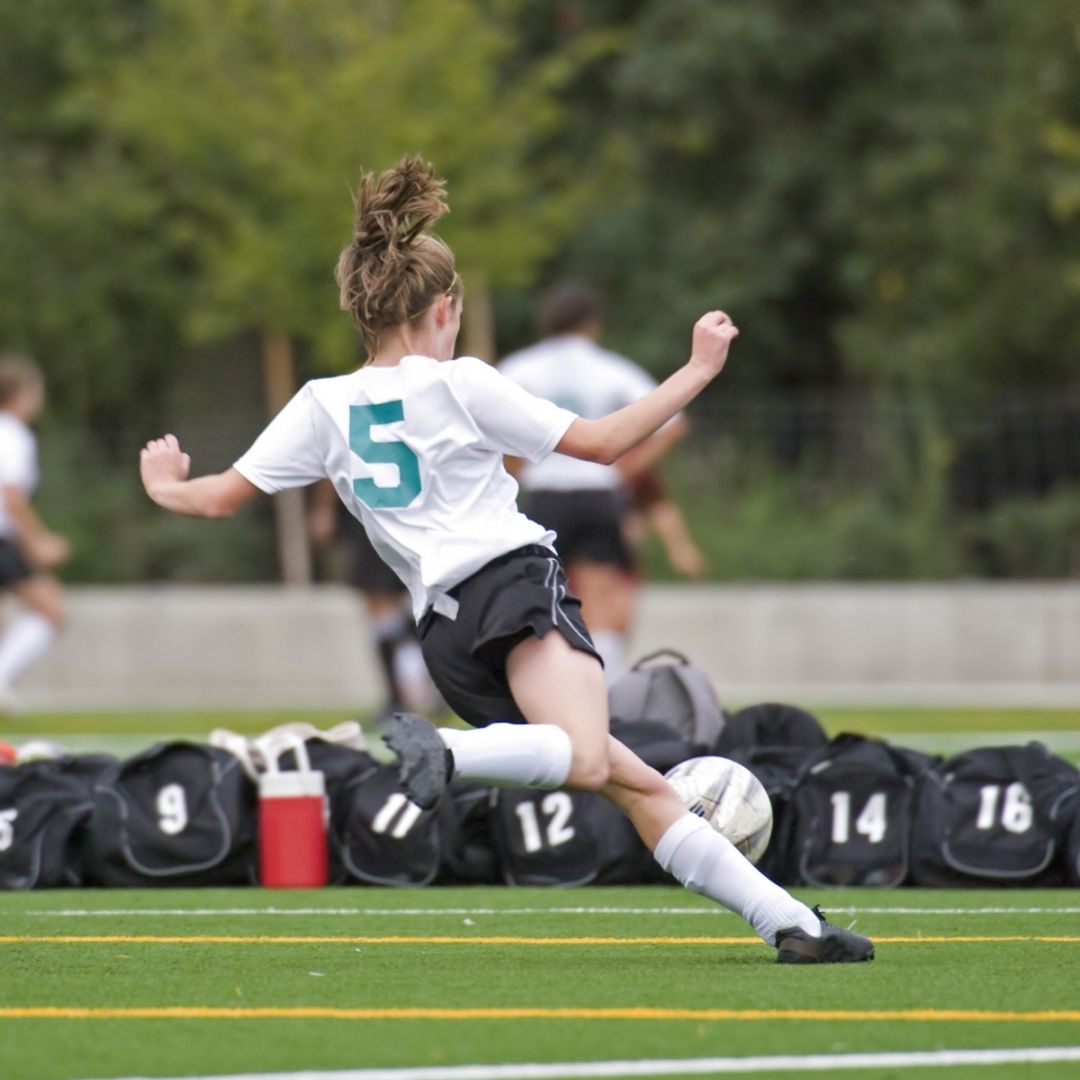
265 646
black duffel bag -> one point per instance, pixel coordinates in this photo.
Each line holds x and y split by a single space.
45 807
994 816
851 813
178 814
775 742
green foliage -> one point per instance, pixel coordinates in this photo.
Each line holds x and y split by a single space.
118 535
254 118
756 524
885 196
1030 537
878 194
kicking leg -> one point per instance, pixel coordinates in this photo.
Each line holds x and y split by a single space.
560 690
698 856
707 863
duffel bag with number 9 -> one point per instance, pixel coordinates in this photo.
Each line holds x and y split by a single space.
179 814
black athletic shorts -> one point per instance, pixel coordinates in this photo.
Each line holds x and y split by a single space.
588 524
367 570
13 565
518 595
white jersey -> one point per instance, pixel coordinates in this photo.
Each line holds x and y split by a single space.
18 465
574 372
415 452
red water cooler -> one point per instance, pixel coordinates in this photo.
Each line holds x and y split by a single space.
292 823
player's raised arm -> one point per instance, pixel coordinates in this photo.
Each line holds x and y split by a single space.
606 439
164 469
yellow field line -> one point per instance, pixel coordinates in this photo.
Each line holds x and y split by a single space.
201 939
202 1012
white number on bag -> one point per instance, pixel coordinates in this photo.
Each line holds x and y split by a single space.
172 809
558 807
872 823
1017 813
403 809
7 828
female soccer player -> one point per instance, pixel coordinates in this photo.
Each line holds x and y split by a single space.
28 550
413 443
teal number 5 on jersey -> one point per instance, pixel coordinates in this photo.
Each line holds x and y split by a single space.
362 418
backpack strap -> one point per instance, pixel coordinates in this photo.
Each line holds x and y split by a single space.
668 655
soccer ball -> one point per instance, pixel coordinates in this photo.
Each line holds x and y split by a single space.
729 797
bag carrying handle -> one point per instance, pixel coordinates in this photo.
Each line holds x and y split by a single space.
237 745
273 744
672 654
348 733
259 754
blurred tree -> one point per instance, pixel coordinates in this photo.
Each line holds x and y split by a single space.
88 284
886 197
958 271
871 190
252 117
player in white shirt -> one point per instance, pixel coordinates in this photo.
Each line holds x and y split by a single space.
414 443
27 548
585 502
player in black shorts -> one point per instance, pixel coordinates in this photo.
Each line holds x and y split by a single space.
414 443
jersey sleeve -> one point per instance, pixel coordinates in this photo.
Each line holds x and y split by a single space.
18 460
511 420
287 453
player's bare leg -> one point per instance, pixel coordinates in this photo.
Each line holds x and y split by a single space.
44 595
642 794
709 864
31 632
606 606
561 693
555 684
544 674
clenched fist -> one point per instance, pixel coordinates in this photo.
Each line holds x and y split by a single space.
713 334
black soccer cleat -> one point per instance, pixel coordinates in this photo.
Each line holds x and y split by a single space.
834 946
425 763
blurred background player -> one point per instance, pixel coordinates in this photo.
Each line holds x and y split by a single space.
406 683
583 502
27 548
652 509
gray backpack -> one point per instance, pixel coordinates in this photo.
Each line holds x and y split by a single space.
672 692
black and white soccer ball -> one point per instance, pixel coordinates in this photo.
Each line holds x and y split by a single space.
729 797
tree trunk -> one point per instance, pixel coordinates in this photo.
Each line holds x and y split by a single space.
478 338
279 379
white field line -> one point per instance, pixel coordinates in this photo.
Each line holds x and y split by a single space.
711 912
1035 1055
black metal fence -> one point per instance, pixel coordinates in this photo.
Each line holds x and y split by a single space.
1020 444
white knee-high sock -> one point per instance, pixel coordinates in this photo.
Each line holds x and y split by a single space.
24 642
709 864
520 755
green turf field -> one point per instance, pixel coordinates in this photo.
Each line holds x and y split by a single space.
936 730
248 981
179 983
